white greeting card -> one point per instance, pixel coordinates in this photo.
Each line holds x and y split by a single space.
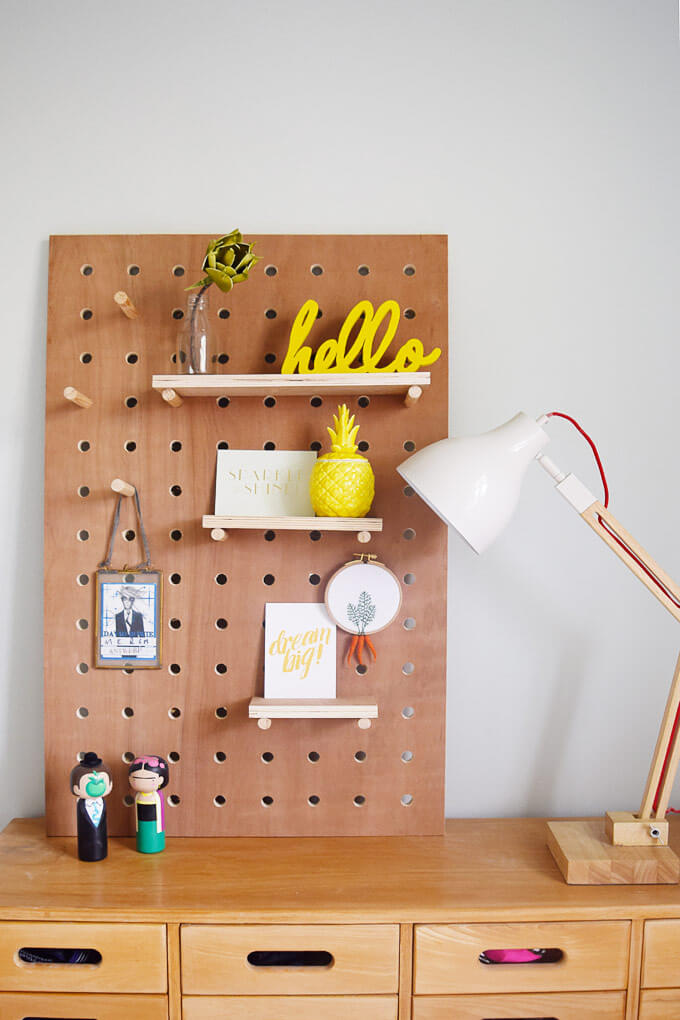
299 651
263 483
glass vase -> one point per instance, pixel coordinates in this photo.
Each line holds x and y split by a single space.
193 341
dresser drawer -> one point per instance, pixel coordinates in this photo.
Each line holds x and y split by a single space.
133 957
290 1007
342 958
661 954
594 956
20 1005
659 1004
557 1006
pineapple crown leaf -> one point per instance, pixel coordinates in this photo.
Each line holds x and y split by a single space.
343 436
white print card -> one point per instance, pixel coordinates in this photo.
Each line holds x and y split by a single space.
263 483
299 651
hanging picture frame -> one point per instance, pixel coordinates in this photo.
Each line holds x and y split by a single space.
128 619
363 597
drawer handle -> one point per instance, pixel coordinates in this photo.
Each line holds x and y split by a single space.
290 958
66 957
515 956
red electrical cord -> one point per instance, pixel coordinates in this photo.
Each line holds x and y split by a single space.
643 566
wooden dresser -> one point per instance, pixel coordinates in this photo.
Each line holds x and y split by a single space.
368 928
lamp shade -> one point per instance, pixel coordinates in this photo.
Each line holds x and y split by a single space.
473 483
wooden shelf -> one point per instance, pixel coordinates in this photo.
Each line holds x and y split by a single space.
331 384
363 526
266 709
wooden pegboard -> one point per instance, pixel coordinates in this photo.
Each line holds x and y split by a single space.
181 714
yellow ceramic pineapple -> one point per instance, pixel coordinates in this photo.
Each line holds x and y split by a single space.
342 482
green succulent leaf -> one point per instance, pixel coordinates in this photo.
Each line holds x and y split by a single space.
227 261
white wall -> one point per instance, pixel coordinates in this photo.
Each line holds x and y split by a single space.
543 137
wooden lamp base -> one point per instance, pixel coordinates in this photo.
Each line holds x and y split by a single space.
586 856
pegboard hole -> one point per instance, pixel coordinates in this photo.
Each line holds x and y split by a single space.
175 490
315 536
409 578
223 313
267 757
83 579
86 270
173 358
270 358
270 270
176 445
360 756
178 270
82 624
267 801
128 757
409 270
316 269
407 800
220 669
316 446
269 401
130 446
131 358
222 358
313 800
131 401
127 671
269 536
84 491
269 445
220 757
82 668
361 669
409 623
223 401
363 446
133 270
86 314
83 535
364 401
409 313
174 712
314 579
128 712
174 757
175 578
408 491
84 445
359 800
313 756
177 313
128 800
221 578
174 669
129 535
175 624
409 446
221 623
409 534
319 313
270 313
174 800
316 401
408 668
176 535
408 712
86 358
268 579
363 270
222 712
407 756
223 445
82 712
219 800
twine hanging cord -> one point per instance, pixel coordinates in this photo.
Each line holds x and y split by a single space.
146 563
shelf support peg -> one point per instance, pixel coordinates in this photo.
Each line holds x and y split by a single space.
264 723
413 395
76 397
364 724
126 306
219 534
172 397
363 537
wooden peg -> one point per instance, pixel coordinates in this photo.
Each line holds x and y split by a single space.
126 306
363 537
124 488
219 534
264 723
172 398
413 395
76 397
364 724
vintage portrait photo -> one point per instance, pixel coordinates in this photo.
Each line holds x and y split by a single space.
128 619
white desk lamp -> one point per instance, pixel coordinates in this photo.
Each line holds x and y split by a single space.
473 484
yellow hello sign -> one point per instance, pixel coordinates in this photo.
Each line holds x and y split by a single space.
340 355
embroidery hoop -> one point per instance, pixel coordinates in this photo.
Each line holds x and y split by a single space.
363 575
